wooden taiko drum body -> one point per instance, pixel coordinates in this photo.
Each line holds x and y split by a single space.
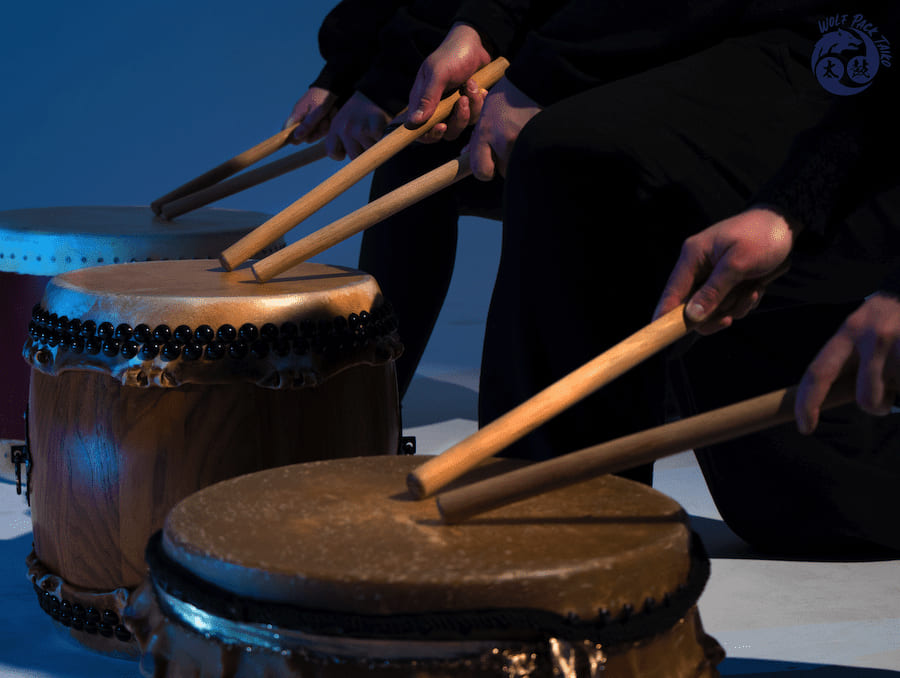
330 569
152 380
39 243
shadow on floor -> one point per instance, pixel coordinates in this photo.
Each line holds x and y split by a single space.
429 401
721 542
764 668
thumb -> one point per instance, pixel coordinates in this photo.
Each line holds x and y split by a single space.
425 94
706 300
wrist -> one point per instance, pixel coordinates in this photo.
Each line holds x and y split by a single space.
468 35
776 212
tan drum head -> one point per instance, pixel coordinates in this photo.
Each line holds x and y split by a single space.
331 569
167 323
344 535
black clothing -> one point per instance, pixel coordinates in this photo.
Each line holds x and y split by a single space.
377 46
412 254
661 119
602 189
574 46
348 41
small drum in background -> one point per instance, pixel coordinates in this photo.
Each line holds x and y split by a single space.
152 380
330 569
38 243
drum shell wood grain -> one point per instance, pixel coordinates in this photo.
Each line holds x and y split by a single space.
109 461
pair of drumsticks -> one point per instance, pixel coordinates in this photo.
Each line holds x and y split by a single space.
711 427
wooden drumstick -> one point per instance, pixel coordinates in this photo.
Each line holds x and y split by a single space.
369 215
433 475
223 189
227 168
712 427
348 175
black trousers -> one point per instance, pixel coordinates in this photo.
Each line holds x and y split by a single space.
601 192
412 254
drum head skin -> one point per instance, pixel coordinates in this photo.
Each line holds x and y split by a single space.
51 240
332 570
345 536
167 323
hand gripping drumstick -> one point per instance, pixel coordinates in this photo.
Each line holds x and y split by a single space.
223 189
712 427
348 175
248 179
487 441
369 215
227 168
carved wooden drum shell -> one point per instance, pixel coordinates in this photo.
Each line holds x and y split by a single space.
126 419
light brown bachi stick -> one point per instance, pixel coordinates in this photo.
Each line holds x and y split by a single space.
436 473
226 169
348 175
712 427
243 181
369 215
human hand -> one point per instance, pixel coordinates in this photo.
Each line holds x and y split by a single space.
465 112
505 112
356 127
454 61
869 342
314 111
723 270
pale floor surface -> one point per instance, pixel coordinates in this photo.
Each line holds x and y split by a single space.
773 617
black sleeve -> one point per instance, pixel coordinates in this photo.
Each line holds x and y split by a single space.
411 34
583 44
502 24
348 41
850 156
891 284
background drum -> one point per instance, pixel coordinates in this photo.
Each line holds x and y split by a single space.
36 244
330 569
151 380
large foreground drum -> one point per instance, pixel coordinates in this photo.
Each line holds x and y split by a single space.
330 569
152 380
38 243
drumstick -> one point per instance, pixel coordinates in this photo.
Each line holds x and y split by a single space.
487 441
372 213
348 175
227 168
223 189
712 427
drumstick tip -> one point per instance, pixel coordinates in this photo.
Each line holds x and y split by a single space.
415 486
156 206
225 263
260 278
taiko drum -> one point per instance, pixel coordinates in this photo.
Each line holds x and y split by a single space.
152 380
330 568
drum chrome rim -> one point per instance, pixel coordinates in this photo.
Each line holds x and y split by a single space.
281 639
